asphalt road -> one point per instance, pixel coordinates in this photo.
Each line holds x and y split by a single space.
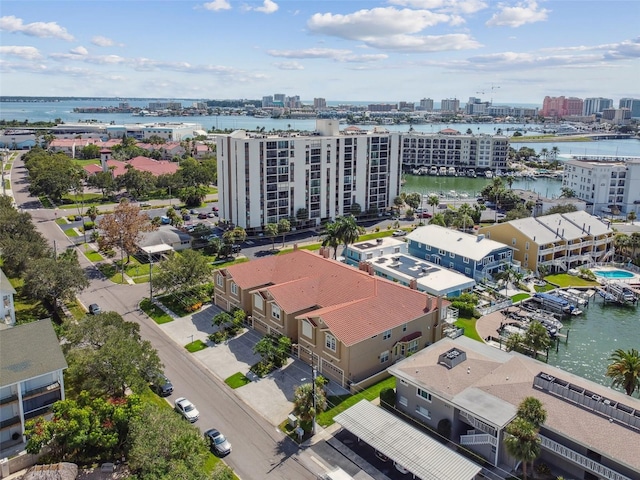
259 450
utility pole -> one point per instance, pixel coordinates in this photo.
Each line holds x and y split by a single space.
150 286
313 386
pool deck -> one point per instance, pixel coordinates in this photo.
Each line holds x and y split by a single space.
633 280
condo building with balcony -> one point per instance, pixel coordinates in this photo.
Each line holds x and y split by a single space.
450 148
558 241
7 305
31 381
607 184
591 431
310 176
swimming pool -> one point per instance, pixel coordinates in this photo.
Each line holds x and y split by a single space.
613 274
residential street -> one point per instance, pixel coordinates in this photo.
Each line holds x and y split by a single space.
259 449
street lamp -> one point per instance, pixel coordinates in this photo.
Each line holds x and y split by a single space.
313 389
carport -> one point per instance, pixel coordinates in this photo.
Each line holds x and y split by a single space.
423 456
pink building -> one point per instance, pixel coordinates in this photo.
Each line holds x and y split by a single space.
561 106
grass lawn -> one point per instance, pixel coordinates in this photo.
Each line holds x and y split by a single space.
341 403
520 296
71 232
565 280
147 396
544 288
112 272
155 312
230 262
237 380
62 221
76 310
93 256
84 163
469 326
27 310
195 346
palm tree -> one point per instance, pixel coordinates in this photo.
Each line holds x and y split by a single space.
284 227
537 338
92 213
303 402
348 230
631 216
438 219
330 238
522 442
544 153
434 201
625 370
271 230
531 410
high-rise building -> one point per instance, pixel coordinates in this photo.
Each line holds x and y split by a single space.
267 101
633 104
264 178
279 98
574 106
382 107
426 104
559 107
319 103
406 106
450 105
595 105
617 116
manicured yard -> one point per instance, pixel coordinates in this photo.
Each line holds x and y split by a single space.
112 272
148 396
71 232
235 261
469 326
155 312
544 288
195 346
93 256
237 380
27 310
520 296
341 403
565 280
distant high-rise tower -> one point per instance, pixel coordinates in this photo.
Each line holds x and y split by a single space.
319 103
561 106
596 105
633 104
451 105
267 101
426 104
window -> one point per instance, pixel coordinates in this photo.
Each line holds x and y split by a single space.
424 394
442 252
451 265
404 327
386 335
420 410
369 256
384 356
307 329
220 280
234 288
465 259
452 255
526 246
513 241
403 401
330 342
413 346
275 311
258 302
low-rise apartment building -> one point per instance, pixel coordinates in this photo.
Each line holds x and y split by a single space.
7 307
476 257
31 381
370 250
607 184
558 241
591 431
352 325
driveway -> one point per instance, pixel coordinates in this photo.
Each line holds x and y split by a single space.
271 396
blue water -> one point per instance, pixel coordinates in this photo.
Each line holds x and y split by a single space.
613 273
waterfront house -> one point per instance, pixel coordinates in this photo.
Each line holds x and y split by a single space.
370 250
31 381
350 324
557 241
477 257
591 431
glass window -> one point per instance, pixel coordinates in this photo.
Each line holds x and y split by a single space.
275 311
234 288
307 329
258 301
330 342
424 394
386 335
219 280
420 410
403 401
384 356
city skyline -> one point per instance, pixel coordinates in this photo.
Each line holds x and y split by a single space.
385 51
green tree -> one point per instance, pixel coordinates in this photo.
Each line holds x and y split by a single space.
438 219
532 410
54 280
284 227
330 237
398 202
303 403
567 192
106 356
561 209
90 152
103 181
624 370
164 446
51 174
631 216
271 230
537 338
355 209
348 230
192 196
273 349
92 213
123 228
136 182
522 442
414 200
181 271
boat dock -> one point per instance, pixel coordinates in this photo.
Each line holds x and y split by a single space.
620 293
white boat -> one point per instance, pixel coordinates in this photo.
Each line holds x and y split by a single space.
488 174
442 172
433 171
451 172
471 173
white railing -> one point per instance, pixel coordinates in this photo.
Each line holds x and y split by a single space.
581 460
478 439
476 423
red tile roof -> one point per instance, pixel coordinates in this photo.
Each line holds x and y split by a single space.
144 164
354 304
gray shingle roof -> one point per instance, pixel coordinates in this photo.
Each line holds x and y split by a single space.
28 351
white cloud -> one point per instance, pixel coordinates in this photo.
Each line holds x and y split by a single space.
217 5
80 50
37 29
101 41
329 53
427 43
27 53
288 66
521 14
377 22
455 6
268 7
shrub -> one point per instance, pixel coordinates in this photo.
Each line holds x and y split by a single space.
218 337
89 225
194 307
262 369
388 396
543 469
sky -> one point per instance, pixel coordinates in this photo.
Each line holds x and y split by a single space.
510 52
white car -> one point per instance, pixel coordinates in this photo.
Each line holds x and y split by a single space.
187 409
399 233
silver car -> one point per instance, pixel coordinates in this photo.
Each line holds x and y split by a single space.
218 442
187 409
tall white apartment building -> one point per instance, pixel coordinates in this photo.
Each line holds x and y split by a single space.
607 185
450 148
450 105
263 178
426 104
595 105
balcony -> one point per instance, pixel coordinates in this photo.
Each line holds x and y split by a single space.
9 422
38 391
473 438
10 399
579 459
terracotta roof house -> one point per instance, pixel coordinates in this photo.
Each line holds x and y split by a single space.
31 381
350 324
167 150
143 164
591 431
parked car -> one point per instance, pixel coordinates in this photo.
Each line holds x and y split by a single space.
218 442
145 204
94 309
424 215
214 209
211 215
193 212
399 233
381 456
187 409
202 216
162 386
186 217
400 468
